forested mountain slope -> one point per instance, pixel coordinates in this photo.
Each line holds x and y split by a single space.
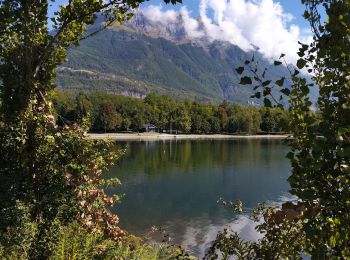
140 58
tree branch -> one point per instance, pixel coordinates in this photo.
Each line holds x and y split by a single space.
70 18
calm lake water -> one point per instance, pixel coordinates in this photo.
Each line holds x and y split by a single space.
175 185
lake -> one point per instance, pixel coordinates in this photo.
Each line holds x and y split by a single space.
175 185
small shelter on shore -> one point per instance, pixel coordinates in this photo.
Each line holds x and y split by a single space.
150 128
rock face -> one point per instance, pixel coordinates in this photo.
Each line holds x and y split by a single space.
173 31
146 56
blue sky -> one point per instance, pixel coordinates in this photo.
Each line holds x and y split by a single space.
293 7
248 24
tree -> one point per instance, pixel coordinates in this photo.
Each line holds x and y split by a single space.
222 115
119 121
200 115
274 120
107 116
49 175
64 105
84 108
268 123
319 224
182 119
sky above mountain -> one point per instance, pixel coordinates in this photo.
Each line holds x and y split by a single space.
262 25
293 7
270 26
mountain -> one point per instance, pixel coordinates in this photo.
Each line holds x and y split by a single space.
144 56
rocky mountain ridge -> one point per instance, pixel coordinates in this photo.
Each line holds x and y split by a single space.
145 56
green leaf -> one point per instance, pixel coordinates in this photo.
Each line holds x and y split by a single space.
240 70
256 95
267 91
301 63
296 72
306 15
267 102
304 89
266 83
280 82
246 81
286 91
290 155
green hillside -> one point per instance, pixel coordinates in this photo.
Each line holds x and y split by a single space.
130 63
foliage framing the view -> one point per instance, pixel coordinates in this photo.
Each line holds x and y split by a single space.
319 224
49 174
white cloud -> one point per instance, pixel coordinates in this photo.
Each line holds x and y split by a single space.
191 25
245 23
155 14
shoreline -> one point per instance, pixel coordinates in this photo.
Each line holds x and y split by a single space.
162 137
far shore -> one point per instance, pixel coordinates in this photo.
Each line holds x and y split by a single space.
159 136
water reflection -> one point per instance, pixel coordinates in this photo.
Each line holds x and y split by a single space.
176 184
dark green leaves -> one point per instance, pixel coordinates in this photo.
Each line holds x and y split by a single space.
266 83
173 1
301 63
267 102
305 89
246 81
280 82
277 63
256 95
296 72
240 70
286 91
267 91
306 15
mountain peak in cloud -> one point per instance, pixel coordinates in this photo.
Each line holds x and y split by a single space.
251 25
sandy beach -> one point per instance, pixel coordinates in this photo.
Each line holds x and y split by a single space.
158 136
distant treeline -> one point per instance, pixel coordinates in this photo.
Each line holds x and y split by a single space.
108 112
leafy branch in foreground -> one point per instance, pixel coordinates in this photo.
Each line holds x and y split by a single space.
319 224
49 175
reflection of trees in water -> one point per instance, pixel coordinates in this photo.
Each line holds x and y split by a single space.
164 157
197 174
169 184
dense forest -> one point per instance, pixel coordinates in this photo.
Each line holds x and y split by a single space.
109 112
